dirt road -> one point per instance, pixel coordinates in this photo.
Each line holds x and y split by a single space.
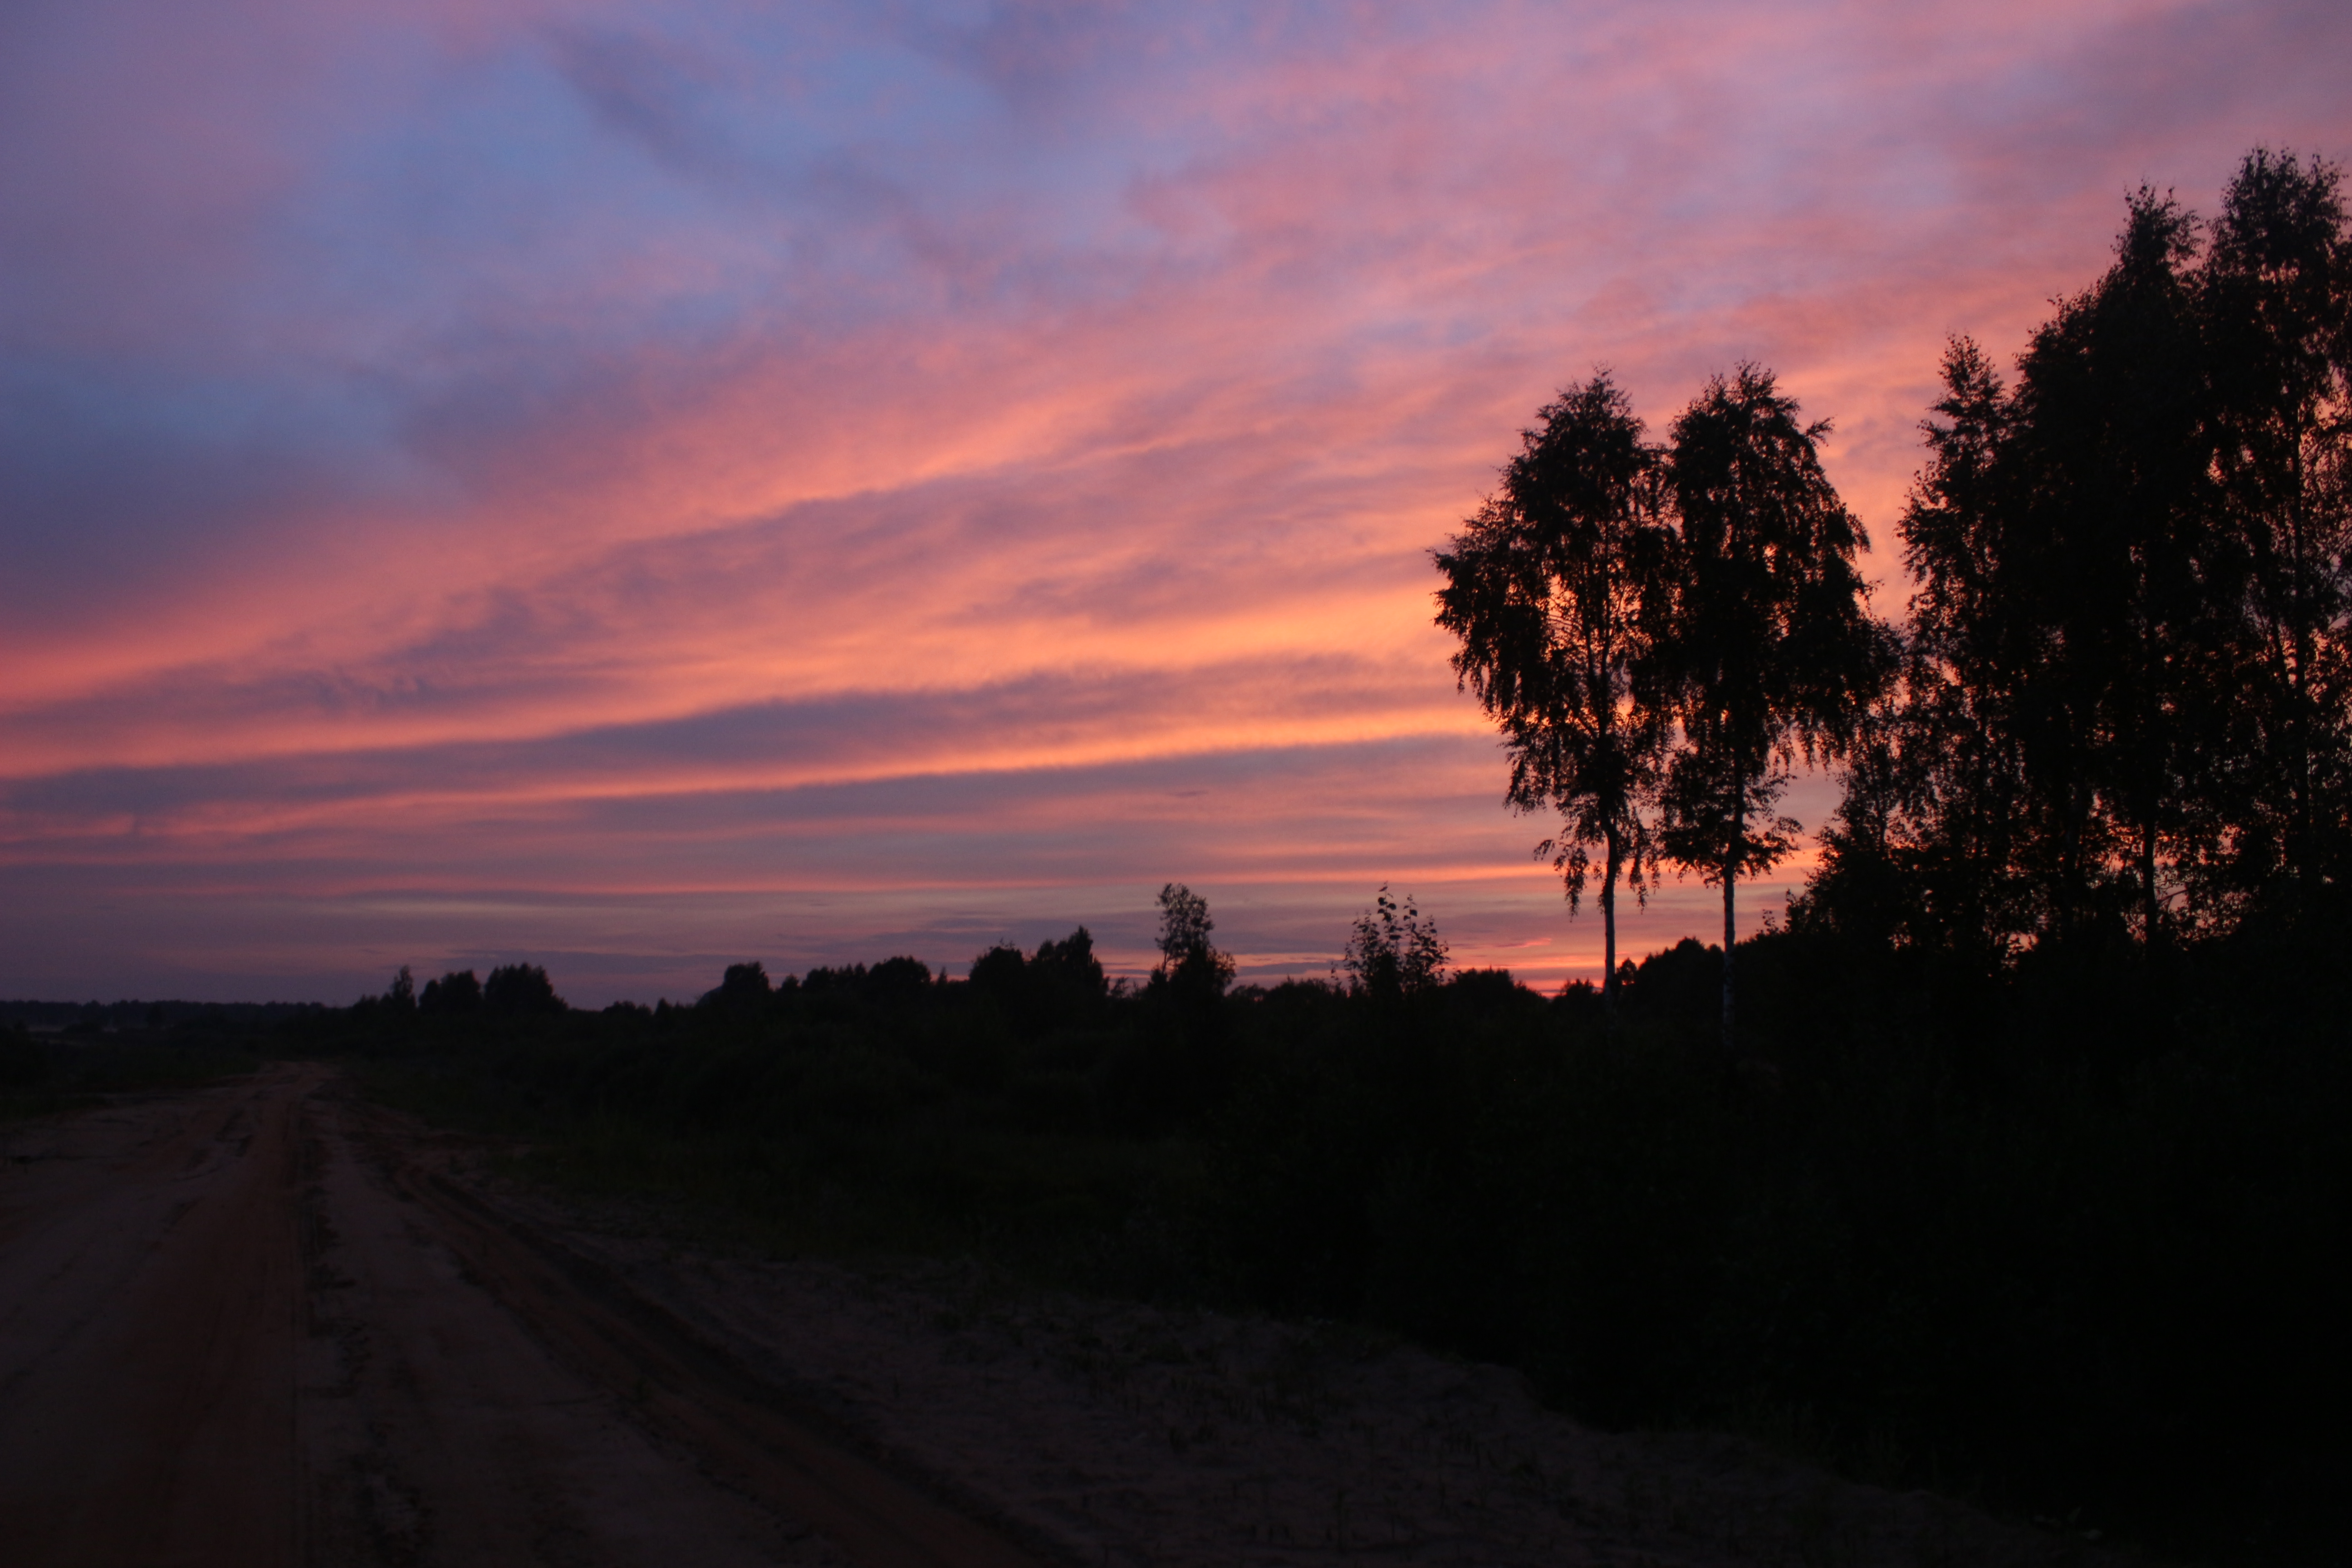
245 1326
266 1324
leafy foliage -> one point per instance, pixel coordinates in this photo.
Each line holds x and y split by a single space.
1189 962
457 992
525 988
1394 949
1767 647
1554 589
1664 630
2125 711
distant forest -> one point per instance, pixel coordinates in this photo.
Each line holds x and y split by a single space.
2015 1162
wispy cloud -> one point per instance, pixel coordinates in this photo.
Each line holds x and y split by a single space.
524 454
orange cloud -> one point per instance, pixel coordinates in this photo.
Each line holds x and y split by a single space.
494 464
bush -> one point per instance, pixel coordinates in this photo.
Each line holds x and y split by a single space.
23 1063
525 988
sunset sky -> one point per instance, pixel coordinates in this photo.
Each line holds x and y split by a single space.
636 487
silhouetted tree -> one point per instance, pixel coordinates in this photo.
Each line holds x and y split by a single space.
2275 291
900 979
1952 811
2112 522
1869 885
1062 983
521 988
1394 949
1768 649
2057 539
741 987
456 992
2125 698
1188 965
1000 972
1552 589
1071 966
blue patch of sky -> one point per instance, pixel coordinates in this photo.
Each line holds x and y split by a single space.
833 179
95 450
733 164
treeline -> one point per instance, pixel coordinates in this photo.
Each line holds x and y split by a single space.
57 1054
82 1019
2118 708
1086 1055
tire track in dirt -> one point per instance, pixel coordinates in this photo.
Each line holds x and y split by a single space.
148 1346
751 1435
247 1325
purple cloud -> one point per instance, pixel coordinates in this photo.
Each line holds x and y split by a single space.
532 459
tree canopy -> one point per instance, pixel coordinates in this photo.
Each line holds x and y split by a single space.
1189 962
1551 590
2123 707
1394 949
1764 646
1662 632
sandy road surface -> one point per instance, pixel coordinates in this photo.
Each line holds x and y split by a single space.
264 1323
241 1326
149 1293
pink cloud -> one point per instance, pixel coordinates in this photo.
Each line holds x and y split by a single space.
495 450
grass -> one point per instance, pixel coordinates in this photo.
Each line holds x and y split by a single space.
51 1074
1064 1207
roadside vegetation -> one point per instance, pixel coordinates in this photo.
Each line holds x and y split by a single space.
83 1054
